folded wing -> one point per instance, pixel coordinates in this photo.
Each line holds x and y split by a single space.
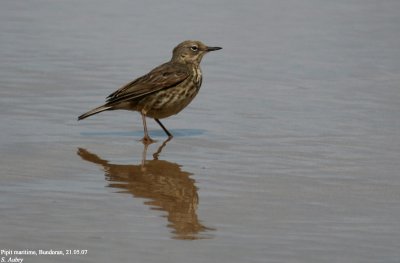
162 77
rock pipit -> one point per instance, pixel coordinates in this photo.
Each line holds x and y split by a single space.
164 91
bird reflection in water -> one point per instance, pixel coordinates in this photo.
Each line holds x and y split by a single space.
167 187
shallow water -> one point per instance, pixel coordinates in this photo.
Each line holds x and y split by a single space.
290 153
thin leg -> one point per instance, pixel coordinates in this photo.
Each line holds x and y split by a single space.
146 138
165 129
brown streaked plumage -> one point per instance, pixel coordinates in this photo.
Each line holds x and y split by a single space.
164 91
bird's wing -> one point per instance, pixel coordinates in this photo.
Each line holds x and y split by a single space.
162 77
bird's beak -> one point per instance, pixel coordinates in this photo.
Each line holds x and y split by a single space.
213 48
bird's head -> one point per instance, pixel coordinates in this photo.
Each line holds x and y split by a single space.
191 52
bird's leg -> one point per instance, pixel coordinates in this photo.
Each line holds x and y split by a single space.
165 129
146 139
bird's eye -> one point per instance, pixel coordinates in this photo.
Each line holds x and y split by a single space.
194 48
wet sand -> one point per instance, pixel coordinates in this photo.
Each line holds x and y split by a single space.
290 152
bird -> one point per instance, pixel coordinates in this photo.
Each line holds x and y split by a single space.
164 91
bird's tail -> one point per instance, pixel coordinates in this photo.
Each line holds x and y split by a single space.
94 111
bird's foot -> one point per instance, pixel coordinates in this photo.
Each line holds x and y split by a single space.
147 140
